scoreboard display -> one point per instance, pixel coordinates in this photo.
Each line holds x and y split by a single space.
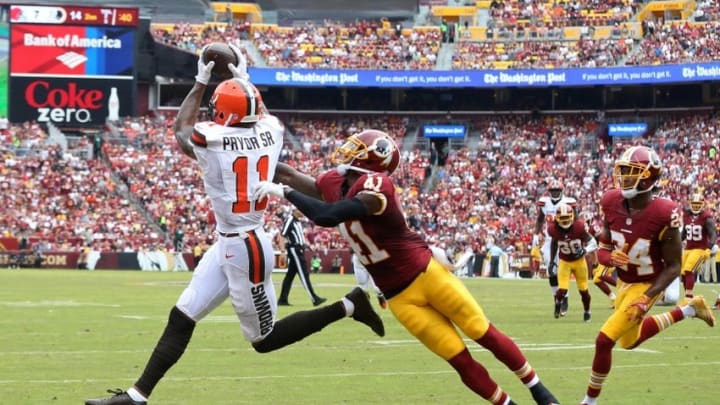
74 15
65 61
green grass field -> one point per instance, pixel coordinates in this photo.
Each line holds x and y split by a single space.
69 335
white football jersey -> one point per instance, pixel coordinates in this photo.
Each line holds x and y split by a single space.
233 161
549 208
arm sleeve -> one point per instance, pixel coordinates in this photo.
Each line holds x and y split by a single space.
327 214
604 257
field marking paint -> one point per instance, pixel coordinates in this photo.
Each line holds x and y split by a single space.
386 343
47 303
337 375
531 347
209 319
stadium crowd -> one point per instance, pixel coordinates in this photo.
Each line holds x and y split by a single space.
361 45
521 34
141 189
540 54
563 14
192 38
679 43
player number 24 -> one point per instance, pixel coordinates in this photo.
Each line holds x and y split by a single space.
639 253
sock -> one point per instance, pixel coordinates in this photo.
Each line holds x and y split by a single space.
609 279
589 400
689 283
168 350
505 350
602 362
349 306
655 324
585 295
135 395
688 311
299 325
477 378
603 287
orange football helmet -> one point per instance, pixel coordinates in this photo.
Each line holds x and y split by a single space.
368 151
565 216
235 101
637 171
697 203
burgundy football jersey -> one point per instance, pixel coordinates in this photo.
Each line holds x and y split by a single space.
696 237
571 241
639 232
393 254
330 185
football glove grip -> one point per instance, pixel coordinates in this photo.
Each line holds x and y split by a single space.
619 258
239 71
552 268
204 71
638 308
265 188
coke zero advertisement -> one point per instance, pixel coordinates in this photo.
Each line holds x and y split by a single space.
68 101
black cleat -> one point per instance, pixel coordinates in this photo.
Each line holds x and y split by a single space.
318 300
586 316
542 395
120 398
283 303
564 306
363 311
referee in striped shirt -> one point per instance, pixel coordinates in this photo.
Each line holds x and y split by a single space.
295 245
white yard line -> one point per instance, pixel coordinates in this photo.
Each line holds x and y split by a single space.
294 377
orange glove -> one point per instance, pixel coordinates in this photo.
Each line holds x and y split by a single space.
619 258
638 308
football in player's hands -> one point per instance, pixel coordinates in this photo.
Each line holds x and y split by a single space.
222 55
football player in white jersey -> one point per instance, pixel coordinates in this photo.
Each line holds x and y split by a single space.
236 150
547 207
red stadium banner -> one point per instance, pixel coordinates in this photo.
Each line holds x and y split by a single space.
71 50
9 244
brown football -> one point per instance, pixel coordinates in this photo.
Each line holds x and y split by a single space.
221 53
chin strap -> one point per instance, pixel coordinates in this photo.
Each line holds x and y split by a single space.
343 168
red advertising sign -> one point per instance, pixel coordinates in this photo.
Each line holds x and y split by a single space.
71 50
67 101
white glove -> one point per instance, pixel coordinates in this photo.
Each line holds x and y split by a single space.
239 71
265 188
204 71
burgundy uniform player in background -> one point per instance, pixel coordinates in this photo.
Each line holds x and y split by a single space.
571 241
641 239
699 235
431 302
